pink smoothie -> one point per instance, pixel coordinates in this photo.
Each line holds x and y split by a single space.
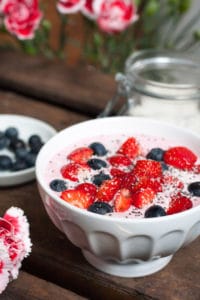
112 144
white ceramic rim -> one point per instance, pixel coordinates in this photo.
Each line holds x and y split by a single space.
41 180
45 125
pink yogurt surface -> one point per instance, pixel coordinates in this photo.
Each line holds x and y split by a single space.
112 144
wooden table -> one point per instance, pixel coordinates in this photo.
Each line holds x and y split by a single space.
56 269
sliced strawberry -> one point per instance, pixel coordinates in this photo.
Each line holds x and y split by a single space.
130 148
180 158
148 167
128 181
89 188
144 182
122 200
119 160
143 197
71 171
77 198
108 189
178 204
115 172
81 155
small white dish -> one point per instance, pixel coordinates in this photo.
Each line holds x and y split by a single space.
27 126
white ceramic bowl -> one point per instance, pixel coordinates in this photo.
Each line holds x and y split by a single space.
26 126
122 247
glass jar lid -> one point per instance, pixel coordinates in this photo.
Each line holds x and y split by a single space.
163 75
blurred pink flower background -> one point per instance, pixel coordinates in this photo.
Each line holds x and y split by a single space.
111 29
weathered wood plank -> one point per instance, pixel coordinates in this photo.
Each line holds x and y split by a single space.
81 89
29 287
59 118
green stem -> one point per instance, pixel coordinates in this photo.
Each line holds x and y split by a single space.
62 37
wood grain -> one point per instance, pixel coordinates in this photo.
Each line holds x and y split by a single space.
81 89
27 286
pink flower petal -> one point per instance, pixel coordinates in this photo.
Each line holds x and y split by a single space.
16 217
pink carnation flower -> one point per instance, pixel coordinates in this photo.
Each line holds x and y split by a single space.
21 17
114 16
15 244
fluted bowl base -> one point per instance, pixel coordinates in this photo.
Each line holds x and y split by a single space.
131 269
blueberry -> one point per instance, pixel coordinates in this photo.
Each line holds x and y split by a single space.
156 154
4 142
36 147
35 143
96 163
11 133
98 148
155 211
194 188
58 185
19 165
5 163
21 153
30 159
99 178
16 144
34 139
100 208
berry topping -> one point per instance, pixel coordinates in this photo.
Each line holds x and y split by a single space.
119 160
154 211
115 172
180 158
122 179
25 152
99 178
21 153
78 198
108 189
100 208
96 163
156 154
5 163
19 165
143 197
178 204
58 185
130 148
4 142
98 149
30 159
122 200
12 133
150 168
71 171
194 188
16 144
88 188
81 155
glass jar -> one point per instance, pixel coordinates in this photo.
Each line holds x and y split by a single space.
160 85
